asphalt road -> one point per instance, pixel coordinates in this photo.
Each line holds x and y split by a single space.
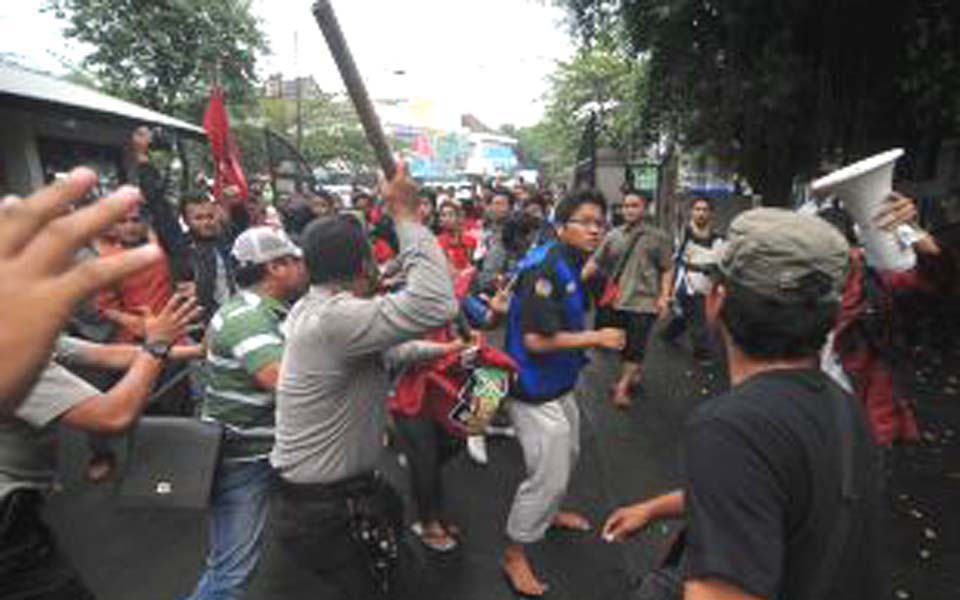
156 555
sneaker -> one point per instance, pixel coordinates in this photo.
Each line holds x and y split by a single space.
477 449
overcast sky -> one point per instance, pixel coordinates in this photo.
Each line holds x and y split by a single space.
488 57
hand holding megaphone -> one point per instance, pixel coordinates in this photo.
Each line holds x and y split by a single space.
900 210
900 216
865 187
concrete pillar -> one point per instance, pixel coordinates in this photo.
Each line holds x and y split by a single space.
19 158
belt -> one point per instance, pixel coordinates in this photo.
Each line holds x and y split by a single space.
358 485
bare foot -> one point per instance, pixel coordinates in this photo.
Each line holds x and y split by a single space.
621 397
572 521
520 575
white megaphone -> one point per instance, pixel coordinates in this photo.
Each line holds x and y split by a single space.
864 187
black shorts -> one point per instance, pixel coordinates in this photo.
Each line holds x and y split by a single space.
637 325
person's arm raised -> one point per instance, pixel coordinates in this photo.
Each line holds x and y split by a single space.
118 408
426 301
39 281
119 357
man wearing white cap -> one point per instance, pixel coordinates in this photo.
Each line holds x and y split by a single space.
244 348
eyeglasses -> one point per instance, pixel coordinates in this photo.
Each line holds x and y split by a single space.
589 223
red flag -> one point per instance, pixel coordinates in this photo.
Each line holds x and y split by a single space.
226 157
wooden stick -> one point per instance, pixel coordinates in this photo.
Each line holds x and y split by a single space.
327 21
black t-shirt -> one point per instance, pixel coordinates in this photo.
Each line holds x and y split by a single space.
763 496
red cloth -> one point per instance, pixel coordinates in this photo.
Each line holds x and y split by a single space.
382 252
432 388
226 156
151 287
458 248
461 283
888 405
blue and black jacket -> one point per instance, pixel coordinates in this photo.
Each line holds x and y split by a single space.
549 298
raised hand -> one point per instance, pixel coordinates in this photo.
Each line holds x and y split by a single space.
899 210
171 322
39 282
400 195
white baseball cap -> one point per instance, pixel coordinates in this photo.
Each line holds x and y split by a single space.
259 245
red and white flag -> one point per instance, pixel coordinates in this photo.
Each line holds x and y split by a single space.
226 157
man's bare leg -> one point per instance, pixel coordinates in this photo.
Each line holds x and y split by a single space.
629 377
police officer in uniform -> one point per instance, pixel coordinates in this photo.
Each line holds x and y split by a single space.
546 336
333 513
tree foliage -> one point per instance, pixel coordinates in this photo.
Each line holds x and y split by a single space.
600 78
782 86
164 53
332 135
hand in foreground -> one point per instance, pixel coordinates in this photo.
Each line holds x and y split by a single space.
611 338
626 521
400 195
39 282
899 210
171 322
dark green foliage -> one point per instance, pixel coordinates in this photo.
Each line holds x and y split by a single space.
782 86
164 53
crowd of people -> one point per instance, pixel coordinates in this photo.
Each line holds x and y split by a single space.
309 333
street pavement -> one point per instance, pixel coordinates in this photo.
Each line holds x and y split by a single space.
157 555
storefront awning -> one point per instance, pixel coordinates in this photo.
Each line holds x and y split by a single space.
21 86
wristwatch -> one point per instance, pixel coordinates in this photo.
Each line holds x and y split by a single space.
160 350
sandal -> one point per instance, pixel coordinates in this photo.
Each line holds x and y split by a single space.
437 543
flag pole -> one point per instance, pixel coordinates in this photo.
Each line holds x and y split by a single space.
327 21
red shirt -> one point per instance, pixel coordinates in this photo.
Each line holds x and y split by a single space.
151 287
458 248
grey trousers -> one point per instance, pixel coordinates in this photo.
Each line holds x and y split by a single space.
549 435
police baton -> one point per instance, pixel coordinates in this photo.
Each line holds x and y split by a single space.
327 21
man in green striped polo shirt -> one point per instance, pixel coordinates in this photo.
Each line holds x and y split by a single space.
244 348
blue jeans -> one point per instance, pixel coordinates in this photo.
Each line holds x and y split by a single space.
238 509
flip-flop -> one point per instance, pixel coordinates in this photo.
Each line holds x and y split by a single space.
453 530
445 546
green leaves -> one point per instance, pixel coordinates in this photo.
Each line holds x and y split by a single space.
783 85
332 135
601 78
165 54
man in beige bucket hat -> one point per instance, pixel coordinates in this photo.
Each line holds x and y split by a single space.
781 477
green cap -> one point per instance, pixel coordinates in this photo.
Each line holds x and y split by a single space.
785 256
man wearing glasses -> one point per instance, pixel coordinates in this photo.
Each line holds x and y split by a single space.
546 336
